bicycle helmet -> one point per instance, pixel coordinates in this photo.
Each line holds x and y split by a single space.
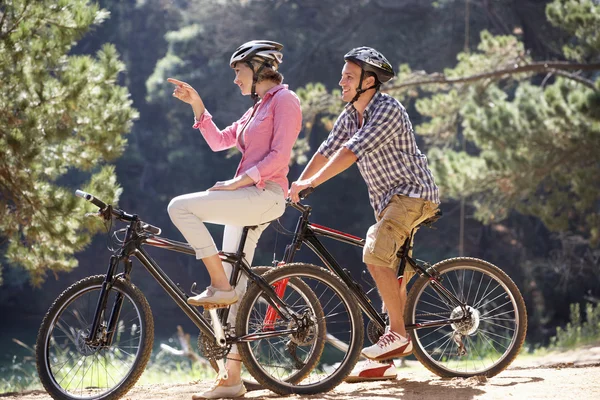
370 60
265 49
259 50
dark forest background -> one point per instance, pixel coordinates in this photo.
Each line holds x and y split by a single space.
85 104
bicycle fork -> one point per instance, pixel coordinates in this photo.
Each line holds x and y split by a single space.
111 326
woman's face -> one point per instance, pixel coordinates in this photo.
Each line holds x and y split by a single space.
243 78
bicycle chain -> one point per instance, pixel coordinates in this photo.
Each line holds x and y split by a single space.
446 314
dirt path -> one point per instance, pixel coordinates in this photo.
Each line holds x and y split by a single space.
574 375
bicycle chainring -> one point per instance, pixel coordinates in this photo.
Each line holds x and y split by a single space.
209 348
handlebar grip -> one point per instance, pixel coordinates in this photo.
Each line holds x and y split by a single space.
89 197
306 192
151 228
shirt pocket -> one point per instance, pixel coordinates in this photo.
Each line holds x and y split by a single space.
262 127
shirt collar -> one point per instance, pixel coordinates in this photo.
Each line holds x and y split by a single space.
274 90
374 100
372 104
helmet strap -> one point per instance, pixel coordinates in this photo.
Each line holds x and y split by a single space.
360 91
253 93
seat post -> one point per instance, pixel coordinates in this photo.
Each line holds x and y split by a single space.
240 251
239 255
404 253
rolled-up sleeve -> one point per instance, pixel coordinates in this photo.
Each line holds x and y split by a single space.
384 124
337 137
287 122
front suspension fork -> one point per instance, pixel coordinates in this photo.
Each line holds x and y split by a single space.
113 320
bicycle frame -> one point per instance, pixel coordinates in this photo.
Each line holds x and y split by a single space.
307 233
135 239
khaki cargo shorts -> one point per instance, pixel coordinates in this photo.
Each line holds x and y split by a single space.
393 226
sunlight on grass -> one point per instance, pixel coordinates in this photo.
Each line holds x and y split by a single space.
175 371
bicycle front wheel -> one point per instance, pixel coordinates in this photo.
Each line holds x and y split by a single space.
70 366
302 359
485 342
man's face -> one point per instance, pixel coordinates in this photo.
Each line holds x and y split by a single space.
349 81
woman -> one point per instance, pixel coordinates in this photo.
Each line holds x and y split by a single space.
265 135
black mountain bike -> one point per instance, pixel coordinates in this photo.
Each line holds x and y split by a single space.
465 316
97 336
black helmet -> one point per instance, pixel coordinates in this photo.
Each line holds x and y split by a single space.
371 60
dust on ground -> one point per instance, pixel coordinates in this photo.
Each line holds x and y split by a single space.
573 374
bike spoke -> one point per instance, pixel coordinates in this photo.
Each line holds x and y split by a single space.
487 332
90 369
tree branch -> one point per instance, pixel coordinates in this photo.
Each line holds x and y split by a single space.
537 67
577 78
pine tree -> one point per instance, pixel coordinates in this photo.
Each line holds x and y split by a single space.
513 133
62 119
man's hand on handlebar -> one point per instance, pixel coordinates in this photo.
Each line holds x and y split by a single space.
305 186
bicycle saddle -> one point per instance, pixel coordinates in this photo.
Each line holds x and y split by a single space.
429 221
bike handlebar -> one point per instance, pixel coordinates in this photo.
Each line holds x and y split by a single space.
120 214
306 192
89 197
303 194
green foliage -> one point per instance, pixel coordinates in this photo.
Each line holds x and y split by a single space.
20 374
59 114
319 108
581 18
578 332
512 142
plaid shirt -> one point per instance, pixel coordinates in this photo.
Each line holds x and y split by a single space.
388 157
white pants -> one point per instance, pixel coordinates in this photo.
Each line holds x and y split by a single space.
249 206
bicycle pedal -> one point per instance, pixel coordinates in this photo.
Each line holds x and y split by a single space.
214 306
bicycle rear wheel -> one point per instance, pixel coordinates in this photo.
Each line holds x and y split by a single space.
302 362
491 337
70 367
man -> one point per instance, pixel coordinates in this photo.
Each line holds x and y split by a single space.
375 132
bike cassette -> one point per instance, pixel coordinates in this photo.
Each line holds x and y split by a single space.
470 325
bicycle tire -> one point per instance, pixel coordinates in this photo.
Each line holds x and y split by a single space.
71 316
252 385
328 374
499 319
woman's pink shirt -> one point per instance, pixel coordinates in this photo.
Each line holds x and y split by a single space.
266 143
